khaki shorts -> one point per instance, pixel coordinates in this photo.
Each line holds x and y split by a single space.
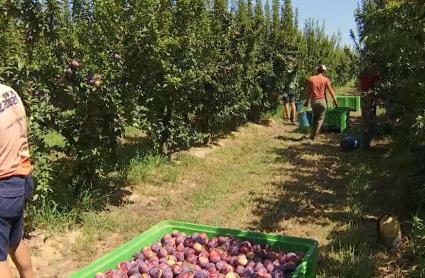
319 111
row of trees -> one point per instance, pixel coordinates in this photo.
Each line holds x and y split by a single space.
182 71
392 37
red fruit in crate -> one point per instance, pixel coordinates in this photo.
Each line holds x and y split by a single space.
205 254
154 262
222 239
266 262
180 247
244 249
192 259
180 240
139 256
265 246
271 255
292 257
242 260
249 272
289 267
162 253
256 247
213 243
262 272
188 242
231 275
240 270
133 269
214 256
172 261
225 256
281 258
270 267
204 236
177 269
176 234
226 268
211 267
250 255
168 240
234 261
123 266
189 251
155 272
259 266
170 249
276 263
198 247
220 265
155 247
220 250
214 275
234 250
148 253
163 266
167 273
278 274
203 261
144 267
180 256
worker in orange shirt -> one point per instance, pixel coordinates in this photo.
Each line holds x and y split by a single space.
16 183
316 93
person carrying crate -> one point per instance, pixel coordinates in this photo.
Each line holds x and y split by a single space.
317 86
16 183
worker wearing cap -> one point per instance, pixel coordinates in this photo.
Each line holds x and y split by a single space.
316 93
15 183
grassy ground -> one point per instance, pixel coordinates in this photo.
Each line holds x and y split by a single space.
261 178
347 89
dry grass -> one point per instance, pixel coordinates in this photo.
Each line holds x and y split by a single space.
261 178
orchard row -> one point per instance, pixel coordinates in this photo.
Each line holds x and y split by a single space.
182 71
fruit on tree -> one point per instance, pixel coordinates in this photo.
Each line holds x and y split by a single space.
75 64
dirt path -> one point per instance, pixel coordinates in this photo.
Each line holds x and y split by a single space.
260 178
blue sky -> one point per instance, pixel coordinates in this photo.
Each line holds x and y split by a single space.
338 15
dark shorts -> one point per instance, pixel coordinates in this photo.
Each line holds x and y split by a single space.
14 192
289 98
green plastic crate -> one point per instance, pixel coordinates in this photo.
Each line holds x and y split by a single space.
337 119
126 252
352 102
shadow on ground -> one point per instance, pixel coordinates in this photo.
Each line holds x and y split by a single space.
325 187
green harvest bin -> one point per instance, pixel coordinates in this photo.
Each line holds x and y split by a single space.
126 252
337 119
352 102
